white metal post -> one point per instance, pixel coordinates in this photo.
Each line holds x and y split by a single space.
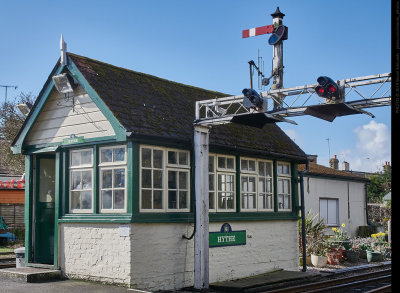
201 242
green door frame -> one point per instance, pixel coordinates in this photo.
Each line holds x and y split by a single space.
31 193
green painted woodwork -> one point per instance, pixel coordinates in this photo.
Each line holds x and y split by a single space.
28 207
45 210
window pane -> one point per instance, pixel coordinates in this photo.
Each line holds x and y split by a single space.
268 168
244 165
252 184
280 201
172 204
183 158
157 200
211 164
146 178
106 199
158 159
106 155
86 199
76 180
158 179
172 179
119 178
183 199
252 165
286 202
119 154
87 179
211 182
106 179
146 158
229 202
221 162
75 158
261 168
119 199
172 158
183 180
86 158
211 201
261 185
221 200
230 163
332 212
75 200
146 199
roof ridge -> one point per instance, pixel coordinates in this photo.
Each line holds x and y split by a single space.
145 74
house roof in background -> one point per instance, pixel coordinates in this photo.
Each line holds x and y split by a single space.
147 105
319 170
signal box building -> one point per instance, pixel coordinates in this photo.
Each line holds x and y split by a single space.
110 182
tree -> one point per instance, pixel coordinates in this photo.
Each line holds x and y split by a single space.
11 121
380 184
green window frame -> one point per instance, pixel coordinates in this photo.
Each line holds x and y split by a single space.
113 179
81 193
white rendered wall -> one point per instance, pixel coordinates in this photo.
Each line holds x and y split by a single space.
351 196
156 257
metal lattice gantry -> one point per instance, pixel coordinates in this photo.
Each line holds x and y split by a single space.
359 93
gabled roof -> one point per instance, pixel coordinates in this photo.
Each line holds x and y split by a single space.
149 106
319 170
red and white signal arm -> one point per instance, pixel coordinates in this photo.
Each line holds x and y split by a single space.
262 30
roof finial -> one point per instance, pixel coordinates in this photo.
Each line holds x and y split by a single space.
63 49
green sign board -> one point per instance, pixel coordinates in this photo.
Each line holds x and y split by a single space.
73 139
227 237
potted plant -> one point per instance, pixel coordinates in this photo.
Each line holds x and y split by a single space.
352 255
314 233
318 251
378 247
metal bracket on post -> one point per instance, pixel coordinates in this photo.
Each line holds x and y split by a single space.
201 238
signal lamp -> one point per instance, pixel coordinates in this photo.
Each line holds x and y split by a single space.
252 99
327 88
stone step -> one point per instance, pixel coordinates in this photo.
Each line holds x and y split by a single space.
30 274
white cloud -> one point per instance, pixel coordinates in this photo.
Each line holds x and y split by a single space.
373 148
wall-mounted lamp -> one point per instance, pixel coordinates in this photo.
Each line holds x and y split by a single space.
64 83
24 108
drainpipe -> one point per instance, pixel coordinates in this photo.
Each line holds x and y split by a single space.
303 217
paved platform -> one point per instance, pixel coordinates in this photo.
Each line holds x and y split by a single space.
30 274
271 279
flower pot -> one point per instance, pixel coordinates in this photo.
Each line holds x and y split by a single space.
352 256
373 256
333 257
319 261
363 254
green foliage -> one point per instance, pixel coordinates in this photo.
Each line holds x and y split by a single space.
315 238
10 123
380 184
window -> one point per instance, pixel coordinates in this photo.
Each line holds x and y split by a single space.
158 165
178 180
329 211
81 183
256 185
284 186
221 183
112 179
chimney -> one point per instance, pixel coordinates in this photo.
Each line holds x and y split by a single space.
387 167
312 158
334 163
345 166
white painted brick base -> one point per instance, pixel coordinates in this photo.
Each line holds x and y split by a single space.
156 257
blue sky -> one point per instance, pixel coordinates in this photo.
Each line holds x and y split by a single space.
199 43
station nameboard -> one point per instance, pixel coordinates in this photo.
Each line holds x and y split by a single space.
227 237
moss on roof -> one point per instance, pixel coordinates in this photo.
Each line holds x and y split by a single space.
151 106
